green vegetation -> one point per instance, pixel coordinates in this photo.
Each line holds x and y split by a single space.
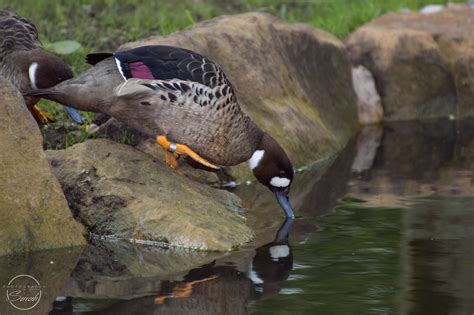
103 25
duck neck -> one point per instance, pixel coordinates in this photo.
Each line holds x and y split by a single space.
258 150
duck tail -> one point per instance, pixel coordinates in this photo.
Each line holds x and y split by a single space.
95 58
44 93
49 94
56 96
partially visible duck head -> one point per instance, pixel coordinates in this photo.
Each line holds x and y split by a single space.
45 70
272 168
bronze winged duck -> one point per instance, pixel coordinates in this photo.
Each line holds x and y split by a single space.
186 102
27 65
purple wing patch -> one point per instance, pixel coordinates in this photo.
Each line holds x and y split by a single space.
140 71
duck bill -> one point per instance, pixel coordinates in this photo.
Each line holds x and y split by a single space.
284 201
74 114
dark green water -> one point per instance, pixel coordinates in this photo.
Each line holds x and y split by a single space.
413 260
386 227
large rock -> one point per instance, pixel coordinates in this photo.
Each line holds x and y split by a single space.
293 80
119 192
369 104
423 64
33 211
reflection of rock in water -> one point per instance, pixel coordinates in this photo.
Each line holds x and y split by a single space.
436 254
51 268
124 270
209 289
368 141
420 159
227 293
318 195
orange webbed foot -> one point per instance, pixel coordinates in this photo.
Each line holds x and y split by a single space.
41 116
170 159
182 149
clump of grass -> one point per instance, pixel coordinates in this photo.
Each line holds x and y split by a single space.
125 137
103 25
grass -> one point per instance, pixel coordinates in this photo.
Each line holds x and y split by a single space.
103 25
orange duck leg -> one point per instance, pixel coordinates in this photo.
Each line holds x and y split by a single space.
176 148
41 116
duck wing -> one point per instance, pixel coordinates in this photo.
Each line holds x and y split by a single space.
185 95
161 62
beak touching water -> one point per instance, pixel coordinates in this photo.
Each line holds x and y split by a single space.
284 200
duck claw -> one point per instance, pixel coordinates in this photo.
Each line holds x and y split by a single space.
41 116
170 159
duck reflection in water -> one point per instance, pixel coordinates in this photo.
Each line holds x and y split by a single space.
211 288
271 265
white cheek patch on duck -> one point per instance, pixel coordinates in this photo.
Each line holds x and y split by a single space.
119 67
255 159
279 251
279 181
32 74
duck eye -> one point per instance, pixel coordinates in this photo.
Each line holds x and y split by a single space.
282 172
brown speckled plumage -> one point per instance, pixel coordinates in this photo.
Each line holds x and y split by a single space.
19 48
190 113
18 37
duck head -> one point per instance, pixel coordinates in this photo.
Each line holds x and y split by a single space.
45 70
272 168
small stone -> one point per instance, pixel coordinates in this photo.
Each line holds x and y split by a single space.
432 8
